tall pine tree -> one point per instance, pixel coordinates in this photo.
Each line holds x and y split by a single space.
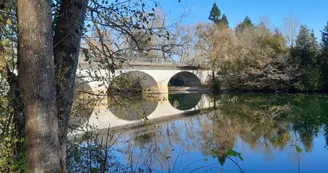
215 14
306 47
305 53
324 43
324 56
314 48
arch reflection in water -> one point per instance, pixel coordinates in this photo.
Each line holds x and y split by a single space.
261 126
126 96
83 104
184 101
132 107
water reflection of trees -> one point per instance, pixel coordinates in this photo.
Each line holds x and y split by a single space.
265 122
185 101
132 107
83 104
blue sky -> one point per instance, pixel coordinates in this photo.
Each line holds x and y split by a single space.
313 13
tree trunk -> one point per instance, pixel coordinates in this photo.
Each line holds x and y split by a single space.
37 83
67 40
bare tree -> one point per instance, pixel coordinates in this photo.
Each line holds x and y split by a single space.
291 25
187 37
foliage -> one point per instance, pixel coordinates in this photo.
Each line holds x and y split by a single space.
224 20
9 162
305 50
324 56
259 58
247 23
92 153
305 54
215 14
297 148
324 43
267 123
111 31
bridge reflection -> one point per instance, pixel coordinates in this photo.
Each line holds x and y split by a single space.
132 107
127 111
184 101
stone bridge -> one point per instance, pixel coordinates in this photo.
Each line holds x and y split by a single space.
153 78
159 101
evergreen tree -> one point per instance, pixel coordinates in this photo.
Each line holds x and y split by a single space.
245 24
305 53
215 14
224 21
324 43
324 56
313 48
306 47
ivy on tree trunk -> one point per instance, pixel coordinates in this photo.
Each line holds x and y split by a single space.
67 40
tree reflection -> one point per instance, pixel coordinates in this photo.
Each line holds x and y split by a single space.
184 101
132 106
265 122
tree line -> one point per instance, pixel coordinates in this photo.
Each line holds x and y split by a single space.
259 57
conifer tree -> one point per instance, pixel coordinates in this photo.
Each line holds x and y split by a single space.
215 14
324 56
245 24
304 49
324 42
224 21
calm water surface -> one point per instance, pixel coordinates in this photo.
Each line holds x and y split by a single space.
266 129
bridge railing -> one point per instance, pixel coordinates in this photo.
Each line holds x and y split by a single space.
146 64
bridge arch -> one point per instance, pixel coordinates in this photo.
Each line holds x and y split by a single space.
184 79
137 81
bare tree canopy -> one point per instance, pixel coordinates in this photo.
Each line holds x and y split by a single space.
291 25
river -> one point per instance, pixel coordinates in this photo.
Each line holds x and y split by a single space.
251 133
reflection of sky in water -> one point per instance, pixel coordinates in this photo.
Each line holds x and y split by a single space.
259 160
183 145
